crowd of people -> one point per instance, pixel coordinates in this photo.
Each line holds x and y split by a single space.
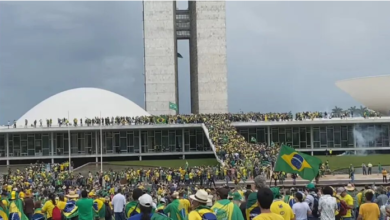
57 193
191 118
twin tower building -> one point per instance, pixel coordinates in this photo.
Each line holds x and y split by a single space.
204 25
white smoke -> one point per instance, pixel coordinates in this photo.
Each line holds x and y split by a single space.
364 137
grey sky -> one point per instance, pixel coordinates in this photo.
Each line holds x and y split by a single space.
282 56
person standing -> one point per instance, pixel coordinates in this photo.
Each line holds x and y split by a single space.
327 204
85 207
369 165
265 198
119 202
348 200
200 210
28 205
384 174
369 210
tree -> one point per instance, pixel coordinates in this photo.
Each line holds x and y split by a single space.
337 110
353 110
362 109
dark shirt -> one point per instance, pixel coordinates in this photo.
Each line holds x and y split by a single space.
243 209
28 206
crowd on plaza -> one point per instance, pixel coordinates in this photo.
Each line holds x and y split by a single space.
57 193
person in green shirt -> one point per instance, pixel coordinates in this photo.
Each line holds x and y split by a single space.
175 209
85 206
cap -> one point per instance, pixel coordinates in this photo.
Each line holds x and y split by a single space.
340 190
311 186
146 200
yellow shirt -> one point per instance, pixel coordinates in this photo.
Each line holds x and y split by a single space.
281 208
185 204
349 200
48 209
268 216
369 211
61 205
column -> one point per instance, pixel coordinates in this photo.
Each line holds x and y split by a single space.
139 143
354 139
7 147
52 147
311 140
183 142
269 135
52 153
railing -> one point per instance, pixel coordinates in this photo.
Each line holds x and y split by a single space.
206 132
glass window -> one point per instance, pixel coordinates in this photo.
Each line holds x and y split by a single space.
261 135
303 134
344 133
275 135
165 142
337 138
289 136
323 139
172 138
316 135
302 145
130 139
330 135
295 139
350 138
282 138
308 139
144 137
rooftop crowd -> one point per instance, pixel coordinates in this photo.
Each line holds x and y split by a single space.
57 193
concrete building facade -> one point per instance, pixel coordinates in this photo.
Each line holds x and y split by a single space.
204 25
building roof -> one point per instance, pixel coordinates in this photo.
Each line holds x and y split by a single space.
373 92
82 103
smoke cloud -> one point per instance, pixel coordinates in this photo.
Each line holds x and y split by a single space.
365 137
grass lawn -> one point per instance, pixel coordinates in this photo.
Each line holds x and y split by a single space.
341 162
335 162
168 163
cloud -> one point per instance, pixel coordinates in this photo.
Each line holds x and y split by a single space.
282 56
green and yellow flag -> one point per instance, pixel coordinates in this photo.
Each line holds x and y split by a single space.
161 120
292 161
173 106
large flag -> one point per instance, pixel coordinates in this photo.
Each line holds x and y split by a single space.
226 209
291 161
172 106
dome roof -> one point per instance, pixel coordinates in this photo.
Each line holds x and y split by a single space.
83 103
373 92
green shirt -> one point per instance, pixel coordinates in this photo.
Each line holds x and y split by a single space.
85 208
174 210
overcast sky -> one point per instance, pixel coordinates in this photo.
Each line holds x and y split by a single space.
282 56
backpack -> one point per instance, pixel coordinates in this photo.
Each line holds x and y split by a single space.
343 208
208 216
315 211
56 214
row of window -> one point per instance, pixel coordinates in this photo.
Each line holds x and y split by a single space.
150 141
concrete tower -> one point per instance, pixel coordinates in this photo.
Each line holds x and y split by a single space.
204 25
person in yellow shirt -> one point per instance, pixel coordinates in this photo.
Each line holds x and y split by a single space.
49 206
200 210
61 202
384 174
369 210
279 207
348 200
184 202
265 198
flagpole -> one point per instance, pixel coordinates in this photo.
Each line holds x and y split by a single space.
69 140
101 144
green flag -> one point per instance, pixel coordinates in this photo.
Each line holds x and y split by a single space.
186 165
291 161
172 106
225 139
253 139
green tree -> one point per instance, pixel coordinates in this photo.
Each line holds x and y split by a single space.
362 109
337 110
353 110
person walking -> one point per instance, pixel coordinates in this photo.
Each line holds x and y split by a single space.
85 206
119 202
369 210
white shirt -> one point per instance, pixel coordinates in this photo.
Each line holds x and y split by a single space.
119 202
300 210
328 205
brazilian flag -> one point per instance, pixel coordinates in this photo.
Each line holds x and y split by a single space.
161 120
71 210
3 214
16 210
292 161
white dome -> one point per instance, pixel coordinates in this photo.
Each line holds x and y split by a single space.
373 92
83 103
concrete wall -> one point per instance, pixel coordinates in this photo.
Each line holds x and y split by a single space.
208 57
160 56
